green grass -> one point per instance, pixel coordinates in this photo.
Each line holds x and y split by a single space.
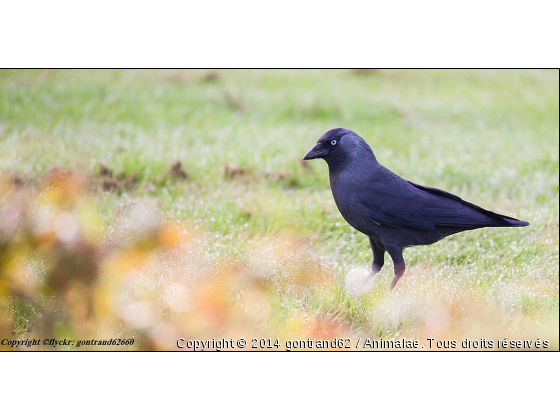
489 136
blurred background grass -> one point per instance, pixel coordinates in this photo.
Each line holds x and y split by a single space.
241 238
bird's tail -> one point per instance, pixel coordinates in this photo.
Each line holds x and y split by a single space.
506 221
510 221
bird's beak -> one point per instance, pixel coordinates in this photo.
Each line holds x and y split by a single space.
316 152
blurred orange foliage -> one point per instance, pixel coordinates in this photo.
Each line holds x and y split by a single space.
137 277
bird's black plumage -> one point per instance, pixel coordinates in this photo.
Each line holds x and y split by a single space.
393 212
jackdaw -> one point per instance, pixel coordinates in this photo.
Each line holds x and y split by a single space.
393 212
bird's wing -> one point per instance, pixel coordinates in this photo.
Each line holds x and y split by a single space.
442 193
395 202
390 208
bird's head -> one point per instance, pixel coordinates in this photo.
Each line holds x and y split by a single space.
339 147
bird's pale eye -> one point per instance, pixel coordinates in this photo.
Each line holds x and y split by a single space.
333 142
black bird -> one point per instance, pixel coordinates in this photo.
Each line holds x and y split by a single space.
393 212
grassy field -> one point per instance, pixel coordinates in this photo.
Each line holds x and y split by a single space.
250 244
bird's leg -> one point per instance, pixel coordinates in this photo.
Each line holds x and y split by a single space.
378 258
399 271
357 287
398 261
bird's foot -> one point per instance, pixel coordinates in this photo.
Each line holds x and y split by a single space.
356 283
399 271
394 282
